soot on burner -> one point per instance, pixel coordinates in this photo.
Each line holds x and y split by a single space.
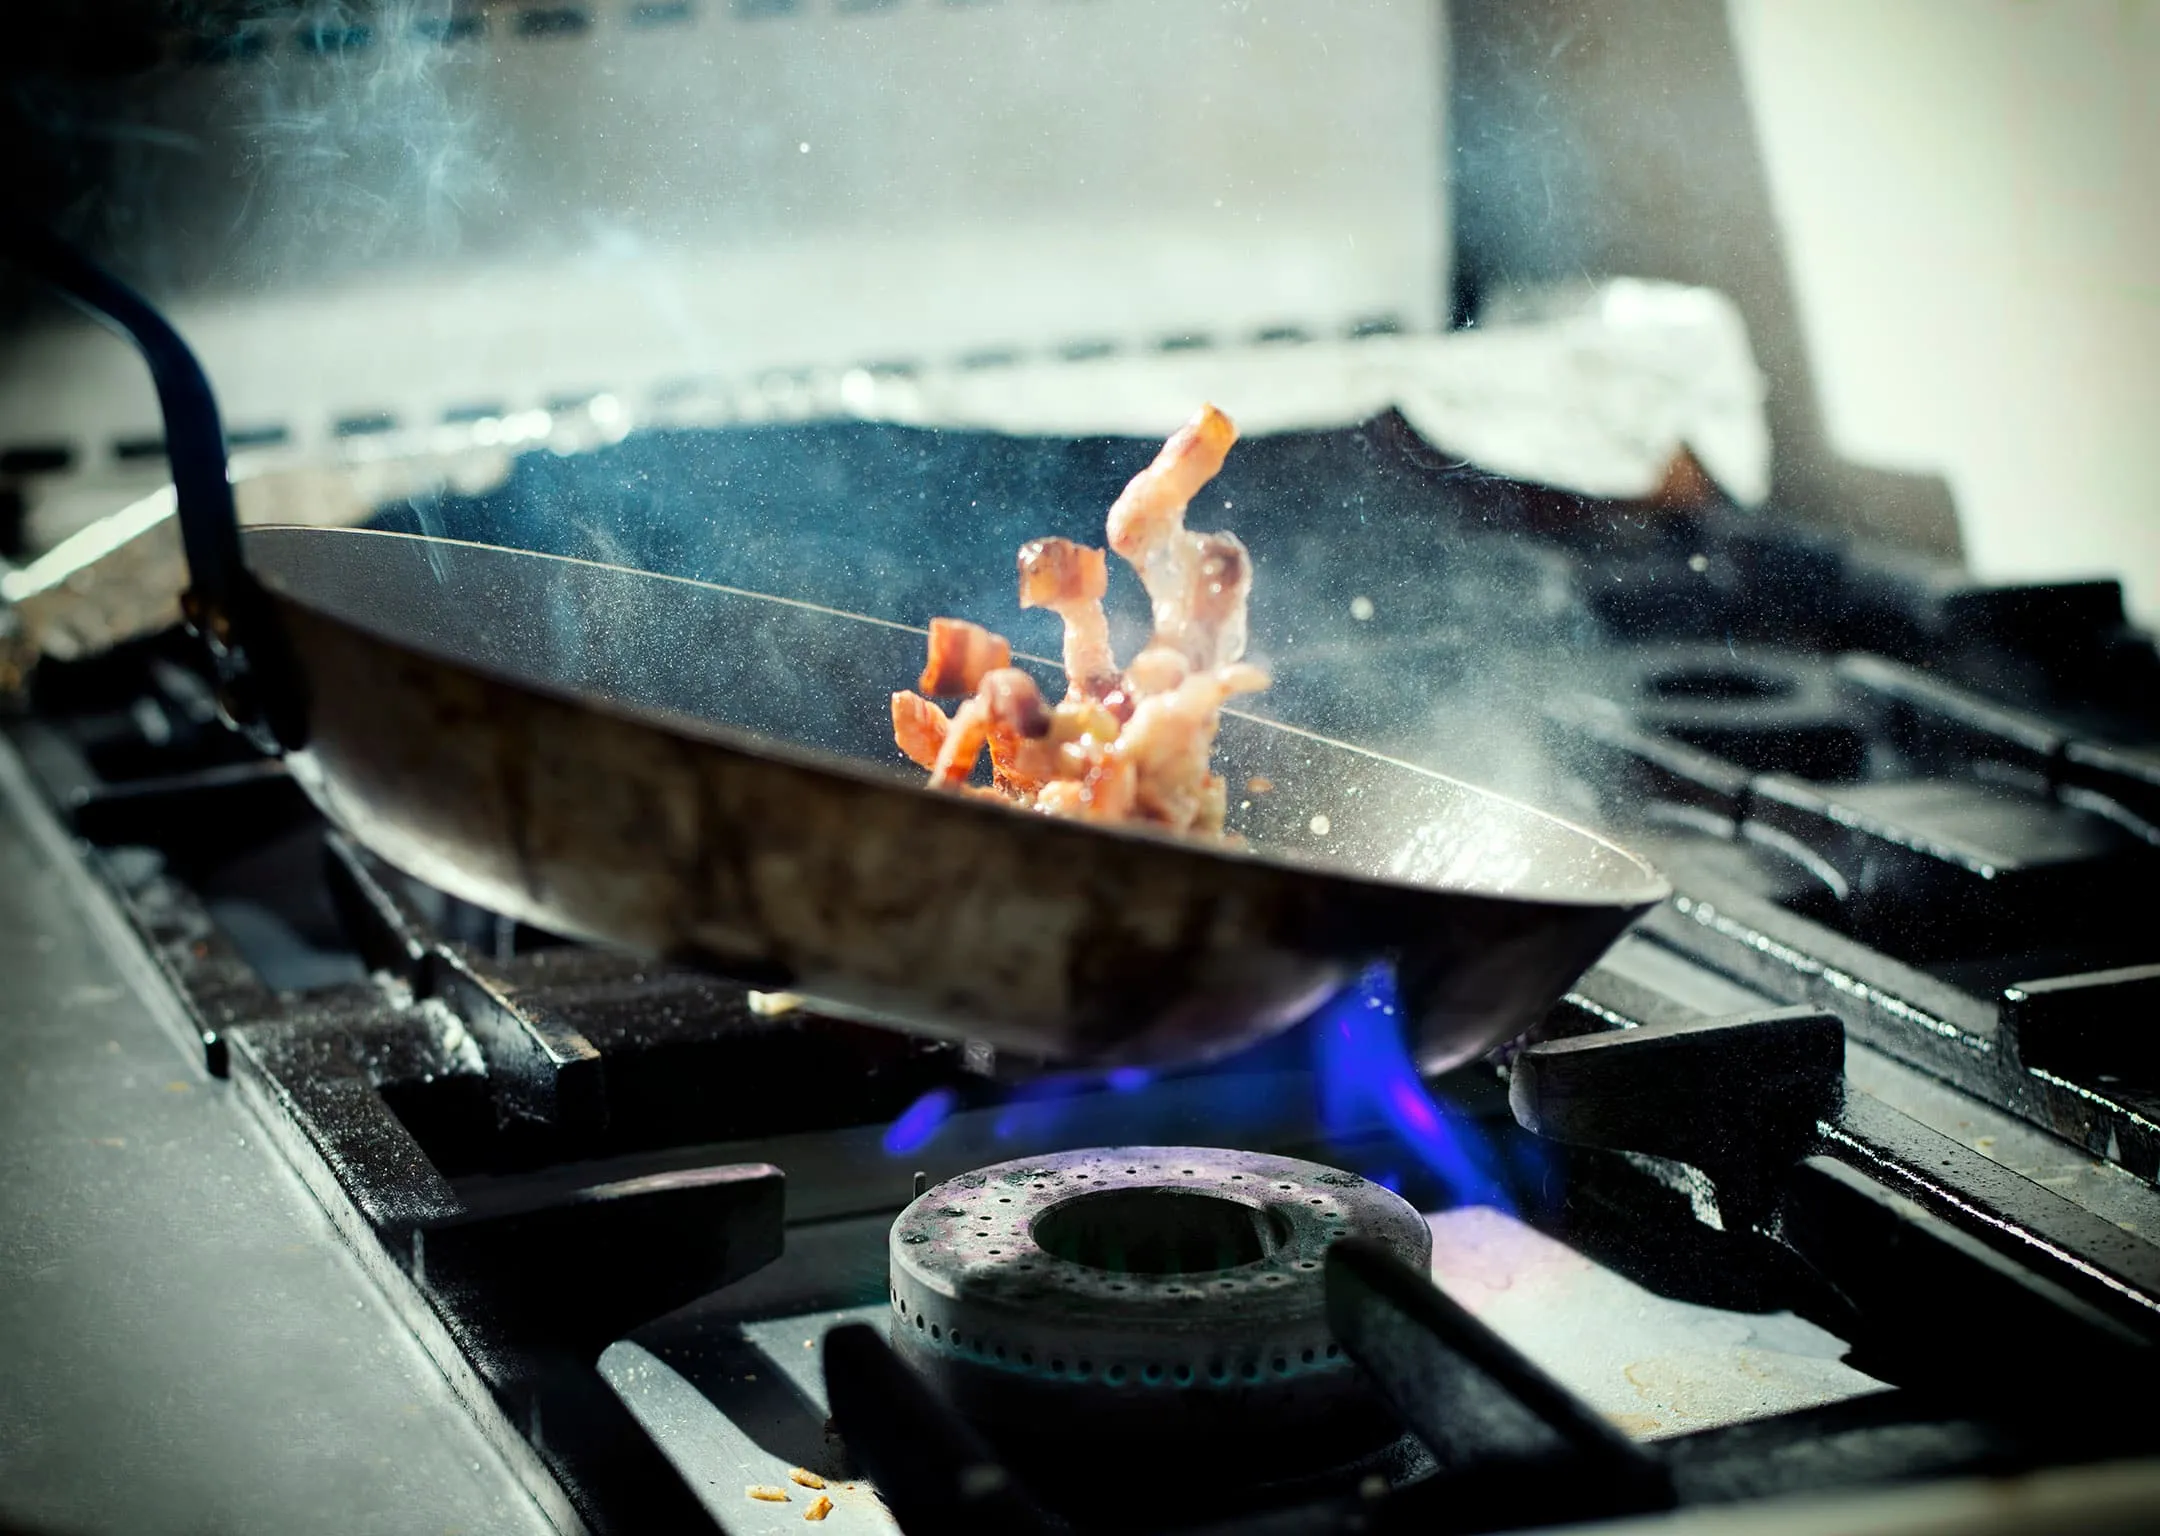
1124 1298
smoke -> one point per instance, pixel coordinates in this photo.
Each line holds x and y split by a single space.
359 140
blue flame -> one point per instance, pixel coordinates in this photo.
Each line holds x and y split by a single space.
1350 1056
920 1121
1027 1113
1366 1072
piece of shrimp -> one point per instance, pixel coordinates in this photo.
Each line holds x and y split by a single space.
1169 740
919 727
1070 579
960 654
1197 583
1152 506
1008 715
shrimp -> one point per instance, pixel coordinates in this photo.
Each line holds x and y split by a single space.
1151 509
1007 714
1124 744
1197 583
1070 579
1169 740
960 653
919 727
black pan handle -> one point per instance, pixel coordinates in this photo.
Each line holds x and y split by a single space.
260 688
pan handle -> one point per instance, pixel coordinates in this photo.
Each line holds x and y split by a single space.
260 689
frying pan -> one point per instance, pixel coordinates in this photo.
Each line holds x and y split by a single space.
703 773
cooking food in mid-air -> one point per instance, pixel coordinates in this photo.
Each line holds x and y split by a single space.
1124 744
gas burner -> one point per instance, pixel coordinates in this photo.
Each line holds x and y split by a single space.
1121 1295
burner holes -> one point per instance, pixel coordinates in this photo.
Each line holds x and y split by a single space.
1004 1199
1308 1357
1316 1200
919 1320
1187 1172
1228 1285
1183 1374
1057 1366
1118 1285
957 1341
1132 1170
1151 1374
999 1351
1306 1264
996 1252
936 1332
1172 1290
1084 1369
1277 1279
1116 1373
1285 1186
1252 1370
1218 1370
1282 1366
903 1306
1027 1358
1334 1351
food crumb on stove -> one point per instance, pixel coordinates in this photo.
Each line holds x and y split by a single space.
1321 825
765 1493
1259 784
819 1510
803 1477
770 1005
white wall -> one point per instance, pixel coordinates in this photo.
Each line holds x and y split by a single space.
1970 196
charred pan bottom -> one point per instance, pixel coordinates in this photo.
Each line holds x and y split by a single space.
1145 1298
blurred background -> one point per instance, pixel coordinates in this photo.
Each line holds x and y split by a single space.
1933 217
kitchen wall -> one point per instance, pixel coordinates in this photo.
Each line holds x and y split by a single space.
1969 198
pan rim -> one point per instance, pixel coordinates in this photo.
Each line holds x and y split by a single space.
1649 888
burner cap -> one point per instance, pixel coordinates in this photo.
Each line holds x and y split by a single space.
1113 1296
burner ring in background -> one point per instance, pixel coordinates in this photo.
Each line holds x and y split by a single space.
1764 708
1167 1298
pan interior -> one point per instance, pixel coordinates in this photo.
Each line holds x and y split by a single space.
798 675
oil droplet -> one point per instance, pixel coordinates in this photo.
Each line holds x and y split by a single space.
1321 825
1361 608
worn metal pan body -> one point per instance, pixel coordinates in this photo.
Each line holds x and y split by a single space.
698 772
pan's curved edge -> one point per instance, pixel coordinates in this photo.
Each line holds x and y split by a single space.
1650 888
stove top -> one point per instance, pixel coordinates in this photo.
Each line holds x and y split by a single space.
1837 1173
